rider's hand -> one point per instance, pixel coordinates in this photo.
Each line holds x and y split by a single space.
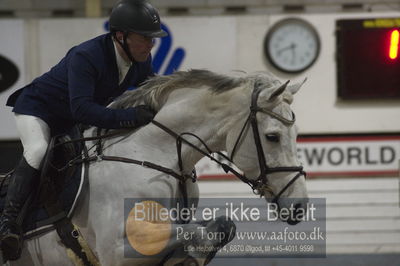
143 115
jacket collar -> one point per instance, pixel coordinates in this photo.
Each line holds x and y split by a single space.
111 59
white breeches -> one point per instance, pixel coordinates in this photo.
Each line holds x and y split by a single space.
35 137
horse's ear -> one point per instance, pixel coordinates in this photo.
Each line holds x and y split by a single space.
294 88
278 91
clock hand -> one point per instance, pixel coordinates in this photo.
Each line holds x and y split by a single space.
285 49
293 48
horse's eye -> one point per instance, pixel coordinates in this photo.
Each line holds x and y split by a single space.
272 137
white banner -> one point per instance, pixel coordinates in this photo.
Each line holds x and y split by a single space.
193 42
335 156
208 43
358 155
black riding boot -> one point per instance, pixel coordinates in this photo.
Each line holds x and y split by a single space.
21 184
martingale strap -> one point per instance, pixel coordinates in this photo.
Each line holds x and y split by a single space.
179 176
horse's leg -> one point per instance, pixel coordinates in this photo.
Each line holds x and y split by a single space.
203 241
44 250
225 228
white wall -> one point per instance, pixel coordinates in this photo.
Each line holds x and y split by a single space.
362 214
318 108
225 43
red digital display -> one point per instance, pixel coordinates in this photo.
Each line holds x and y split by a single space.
368 63
394 44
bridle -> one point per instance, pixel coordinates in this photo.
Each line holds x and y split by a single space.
259 185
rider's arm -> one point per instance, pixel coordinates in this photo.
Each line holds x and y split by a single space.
81 84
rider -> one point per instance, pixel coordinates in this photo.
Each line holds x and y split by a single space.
76 90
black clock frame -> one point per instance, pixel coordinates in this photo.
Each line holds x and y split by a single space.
276 26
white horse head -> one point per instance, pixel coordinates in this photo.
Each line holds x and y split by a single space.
267 154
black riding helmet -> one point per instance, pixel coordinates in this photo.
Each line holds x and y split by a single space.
136 16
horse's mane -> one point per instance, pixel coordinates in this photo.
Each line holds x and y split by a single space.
155 91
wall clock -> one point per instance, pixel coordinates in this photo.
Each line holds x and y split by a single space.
292 45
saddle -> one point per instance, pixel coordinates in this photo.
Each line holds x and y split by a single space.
58 185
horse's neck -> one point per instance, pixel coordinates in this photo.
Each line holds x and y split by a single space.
186 110
197 111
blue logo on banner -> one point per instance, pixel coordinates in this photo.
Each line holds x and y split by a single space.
162 52
160 57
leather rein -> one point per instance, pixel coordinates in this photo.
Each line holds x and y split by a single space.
259 185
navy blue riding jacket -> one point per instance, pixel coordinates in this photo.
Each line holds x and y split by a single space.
78 88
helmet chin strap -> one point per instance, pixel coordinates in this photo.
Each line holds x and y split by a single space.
124 46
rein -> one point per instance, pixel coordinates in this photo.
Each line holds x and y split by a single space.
259 185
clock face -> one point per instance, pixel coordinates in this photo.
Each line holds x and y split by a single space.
292 45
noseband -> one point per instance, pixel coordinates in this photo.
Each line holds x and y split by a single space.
261 184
